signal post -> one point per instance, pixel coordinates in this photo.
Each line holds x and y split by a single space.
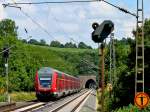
102 74
99 34
5 57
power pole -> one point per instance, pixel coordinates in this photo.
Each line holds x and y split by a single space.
5 57
113 59
7 80
139 76
102 75
112 63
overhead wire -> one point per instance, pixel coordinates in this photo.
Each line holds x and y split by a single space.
35 22
76 33
39 25
45 31
57 2
75 42
32 21
120 8
85 61
60 24
64 2
7 49
57 22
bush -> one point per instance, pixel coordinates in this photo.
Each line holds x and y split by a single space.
3 98
22 96
132 108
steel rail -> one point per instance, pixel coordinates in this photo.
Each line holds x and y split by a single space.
7 107
49 105
66 103
77 106
13 106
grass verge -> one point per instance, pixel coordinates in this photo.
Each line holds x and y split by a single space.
22 96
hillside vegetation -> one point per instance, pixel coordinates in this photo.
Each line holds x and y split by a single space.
25 58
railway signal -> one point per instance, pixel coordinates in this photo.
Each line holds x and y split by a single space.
99 34
6 52
102 31
5 57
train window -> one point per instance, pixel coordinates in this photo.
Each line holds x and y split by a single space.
59 75
45 82
45 77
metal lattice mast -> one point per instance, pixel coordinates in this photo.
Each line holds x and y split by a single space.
139 76
110 65
112 58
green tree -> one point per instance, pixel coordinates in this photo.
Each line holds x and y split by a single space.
82 45
24 41
33 41
55 44
42 42
125 84
70 45
8 28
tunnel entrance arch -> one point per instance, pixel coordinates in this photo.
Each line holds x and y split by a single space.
90 84
87 80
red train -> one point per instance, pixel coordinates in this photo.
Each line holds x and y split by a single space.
53 83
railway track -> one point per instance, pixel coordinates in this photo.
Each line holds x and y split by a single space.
28 107
70 103
10 107
73 105
7 107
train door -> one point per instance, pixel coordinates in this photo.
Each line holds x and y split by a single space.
60 81
57 82
63 82
67 83
75 84
54 82
71 83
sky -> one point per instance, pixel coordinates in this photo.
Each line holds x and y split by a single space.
71 22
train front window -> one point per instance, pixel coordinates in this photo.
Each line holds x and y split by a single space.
45 82
45 77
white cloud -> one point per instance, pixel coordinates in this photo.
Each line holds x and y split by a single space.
78 19
82 14
101 10
26 23
70 27
61 38
2 12
30 9
74 19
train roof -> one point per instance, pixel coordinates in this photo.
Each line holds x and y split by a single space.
49 69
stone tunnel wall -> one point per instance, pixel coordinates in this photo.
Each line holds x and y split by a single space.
85 78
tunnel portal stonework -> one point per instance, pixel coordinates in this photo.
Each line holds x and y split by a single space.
85 78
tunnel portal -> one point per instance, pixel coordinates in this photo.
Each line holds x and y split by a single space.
88 81
90 84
